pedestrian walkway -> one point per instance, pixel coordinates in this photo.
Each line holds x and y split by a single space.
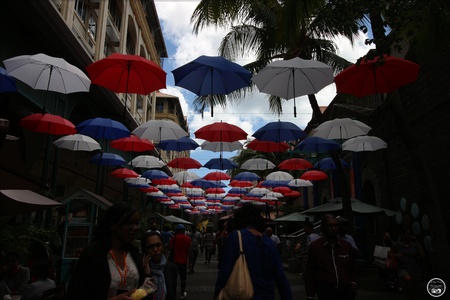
200 285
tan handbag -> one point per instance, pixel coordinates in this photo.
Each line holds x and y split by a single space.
239 284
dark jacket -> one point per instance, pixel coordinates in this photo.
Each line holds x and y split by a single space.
91 277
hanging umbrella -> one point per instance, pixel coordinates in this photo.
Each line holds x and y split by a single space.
250 176
257 164
221 132
358 207
138 181
211 75
220 164
273 183
155 174
364 143
47 123
279 131
293 78
184 163
7 83
182 144
159 130
202 183
216 176
77 142
279 175
314 175
132 143
267 146
300 183
185 176
382 74
165 181
43 72
103 128
328 164
221 146
125 73
295 164
317 144
239 183
107 159
282 190
124 173
339 129
147 162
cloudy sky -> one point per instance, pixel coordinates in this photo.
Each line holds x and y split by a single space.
253 111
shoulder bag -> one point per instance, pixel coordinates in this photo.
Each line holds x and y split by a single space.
239 284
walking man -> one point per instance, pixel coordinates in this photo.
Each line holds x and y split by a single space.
196 238
331 265
181 245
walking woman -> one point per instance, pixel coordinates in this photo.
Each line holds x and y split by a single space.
110 267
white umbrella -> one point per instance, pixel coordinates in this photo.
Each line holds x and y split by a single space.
272 196
257 191
146 161
138 180
257 164
293 78
77 142
364 143
300 183
221 146
338 129
184 176
159 130
279 176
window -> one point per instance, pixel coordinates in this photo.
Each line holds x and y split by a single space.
80 8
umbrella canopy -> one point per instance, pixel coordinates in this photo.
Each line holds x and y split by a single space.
159 130
216 176
47 123
279 131
241 183
221 132
138 181
124 173
257 164
295 164
147 162
155 174
105 128
300 183
314 175
184 163
267 146
339 129
202 183
328 164
107 159
279 175
132 143
293 217
182 144
250 176
317 144
77 142
7 83
357 207
293 78
382 74
220 164
185 176
364 143
221 146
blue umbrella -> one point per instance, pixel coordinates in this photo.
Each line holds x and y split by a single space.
244 176
317 145
155 174
236 190
202 183
182 144
7 83
103 128
279 131
328 164
220 164
274 183
211 75
107 159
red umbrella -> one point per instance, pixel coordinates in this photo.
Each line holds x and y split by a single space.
383 74
184 163
164 181
293 194
267 146
221 132
216 176
124 173
295 164
150 189
314 175
187 185
238 183
281 189
48 123
215 190
132 144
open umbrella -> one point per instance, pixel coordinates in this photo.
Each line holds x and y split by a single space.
364 143
293 78
132 143
7 83
184 163
279 175
221 132
382 74
182 144
279 131
317 144
77 142
107 159
103 128
216 176
328 164
159 130
358 206
221 146
339 129
125 73
124 173
267 146
43 72
185 176
257 164
220 164
211 75
295 164
147 162
314 175
155 174
202 183
300 183
47 123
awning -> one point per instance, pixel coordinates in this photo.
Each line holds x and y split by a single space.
171 219
293 217
15 202
82 196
